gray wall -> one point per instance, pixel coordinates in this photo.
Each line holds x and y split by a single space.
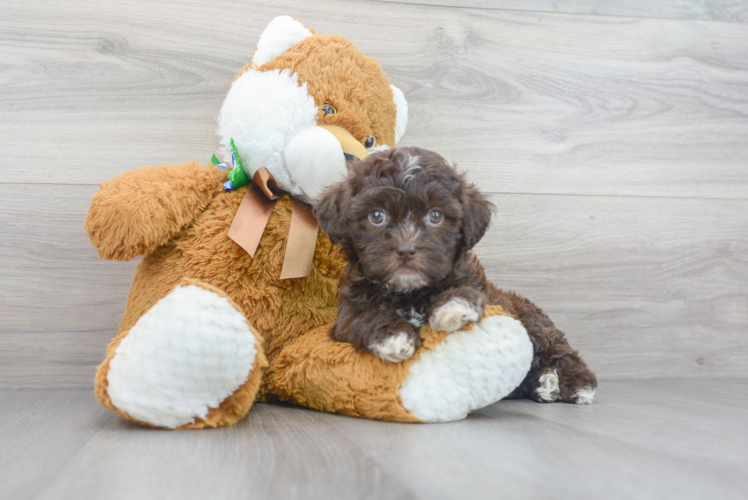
616 149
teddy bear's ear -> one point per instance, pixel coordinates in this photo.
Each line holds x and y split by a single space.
401 123
280 35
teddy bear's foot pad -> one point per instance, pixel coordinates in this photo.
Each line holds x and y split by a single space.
187 354
471 369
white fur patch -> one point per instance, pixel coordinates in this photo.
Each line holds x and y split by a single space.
281 34
187 354
263 112
395 348
377 149
401 123
411 167
453 315
469 370
412 164
413 317
404 282
548 389
585 396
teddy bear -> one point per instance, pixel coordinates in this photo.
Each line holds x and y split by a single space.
237 286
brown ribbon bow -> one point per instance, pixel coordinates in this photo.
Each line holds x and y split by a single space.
253 215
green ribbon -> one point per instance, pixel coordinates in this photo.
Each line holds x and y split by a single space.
237 176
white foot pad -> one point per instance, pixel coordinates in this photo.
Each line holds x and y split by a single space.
585 396
453 315
469 370
395 348
548 389
187 354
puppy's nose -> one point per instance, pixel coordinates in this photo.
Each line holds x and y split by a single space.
406 252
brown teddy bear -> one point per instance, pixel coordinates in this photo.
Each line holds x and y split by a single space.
236 290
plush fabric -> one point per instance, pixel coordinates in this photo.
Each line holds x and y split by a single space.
227 412
450 375
213 328
281 34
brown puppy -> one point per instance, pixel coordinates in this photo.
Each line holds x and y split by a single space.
406 221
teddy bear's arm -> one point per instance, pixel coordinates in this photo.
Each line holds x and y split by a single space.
142 209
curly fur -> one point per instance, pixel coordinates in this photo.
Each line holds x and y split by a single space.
384 291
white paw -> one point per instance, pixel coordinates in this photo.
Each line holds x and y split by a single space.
187 354
548 389
453 315
395 348
585 396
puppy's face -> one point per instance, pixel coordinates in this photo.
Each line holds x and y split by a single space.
404 215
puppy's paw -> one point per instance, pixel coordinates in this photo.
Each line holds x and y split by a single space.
584 396
454 314
548 389
395 348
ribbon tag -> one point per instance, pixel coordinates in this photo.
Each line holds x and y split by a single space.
250 220
302 238
253 215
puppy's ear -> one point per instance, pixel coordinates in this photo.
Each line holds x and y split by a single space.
478 211
331 211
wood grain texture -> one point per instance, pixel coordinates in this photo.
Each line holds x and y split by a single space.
600 451
573 104
644 287
615 149
712 10
39 431
643 440
59 303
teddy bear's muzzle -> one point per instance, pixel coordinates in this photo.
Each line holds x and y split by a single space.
317 157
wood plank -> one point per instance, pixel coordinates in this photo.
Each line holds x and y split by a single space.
40 430
59 303
642 439
572 105
522 449
711 10
714 410
644 287
274 453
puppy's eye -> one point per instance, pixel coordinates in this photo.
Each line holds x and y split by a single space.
329 109
369 142
435 217
377 217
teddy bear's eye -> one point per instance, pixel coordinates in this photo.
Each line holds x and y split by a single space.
435 217
369 142
377 217
328 109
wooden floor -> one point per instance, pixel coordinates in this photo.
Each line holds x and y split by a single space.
656 439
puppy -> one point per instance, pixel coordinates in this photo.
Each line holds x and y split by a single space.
406 222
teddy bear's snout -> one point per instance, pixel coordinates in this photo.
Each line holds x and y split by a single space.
318 157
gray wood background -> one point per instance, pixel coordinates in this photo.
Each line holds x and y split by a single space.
613 138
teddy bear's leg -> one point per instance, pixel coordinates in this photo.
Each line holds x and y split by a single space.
190 361
449 376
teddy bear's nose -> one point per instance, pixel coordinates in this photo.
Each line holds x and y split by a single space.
349 158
